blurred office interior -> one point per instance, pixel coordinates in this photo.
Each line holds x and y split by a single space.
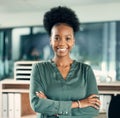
97 42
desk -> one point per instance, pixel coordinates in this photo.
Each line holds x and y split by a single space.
109 88
107 91
17 86
22 86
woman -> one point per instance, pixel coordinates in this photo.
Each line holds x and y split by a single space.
63 87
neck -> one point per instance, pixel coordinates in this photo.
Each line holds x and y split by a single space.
62 61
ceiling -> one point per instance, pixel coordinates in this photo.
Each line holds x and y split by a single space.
14 13
13 6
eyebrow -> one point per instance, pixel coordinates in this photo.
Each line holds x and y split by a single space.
65 35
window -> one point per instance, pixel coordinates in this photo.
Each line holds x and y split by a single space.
97 44
1 55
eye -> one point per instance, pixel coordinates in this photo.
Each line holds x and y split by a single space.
68 39
56 38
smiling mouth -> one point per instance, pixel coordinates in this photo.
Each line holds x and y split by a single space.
61 49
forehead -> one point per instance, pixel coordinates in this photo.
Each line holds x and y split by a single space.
62 28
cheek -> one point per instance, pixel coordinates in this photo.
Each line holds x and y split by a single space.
53 44
72 44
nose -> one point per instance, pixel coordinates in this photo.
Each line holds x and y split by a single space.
62 42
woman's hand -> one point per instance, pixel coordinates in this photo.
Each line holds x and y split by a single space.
41 95
92 101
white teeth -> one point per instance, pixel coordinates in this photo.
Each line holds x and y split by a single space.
62 49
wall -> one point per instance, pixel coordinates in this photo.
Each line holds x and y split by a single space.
89 13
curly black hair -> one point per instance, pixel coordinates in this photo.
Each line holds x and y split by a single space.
60 14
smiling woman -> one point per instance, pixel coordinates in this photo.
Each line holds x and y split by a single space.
63 87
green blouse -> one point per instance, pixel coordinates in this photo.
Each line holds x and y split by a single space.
79 84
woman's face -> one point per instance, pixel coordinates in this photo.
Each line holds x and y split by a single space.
62 39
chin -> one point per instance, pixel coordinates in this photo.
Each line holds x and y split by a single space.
62 55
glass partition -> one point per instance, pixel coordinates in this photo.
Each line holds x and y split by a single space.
30 44
96 44
1 55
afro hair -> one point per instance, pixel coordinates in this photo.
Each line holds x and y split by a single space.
60 15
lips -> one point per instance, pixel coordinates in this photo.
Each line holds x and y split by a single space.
61 49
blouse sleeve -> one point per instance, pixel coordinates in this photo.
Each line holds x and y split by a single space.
91 82
45 106
91 89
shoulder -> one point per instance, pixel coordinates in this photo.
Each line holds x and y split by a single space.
41 64
83 65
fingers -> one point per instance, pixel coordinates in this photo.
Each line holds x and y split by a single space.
95 102
95 106
94 96
40 94
92 100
